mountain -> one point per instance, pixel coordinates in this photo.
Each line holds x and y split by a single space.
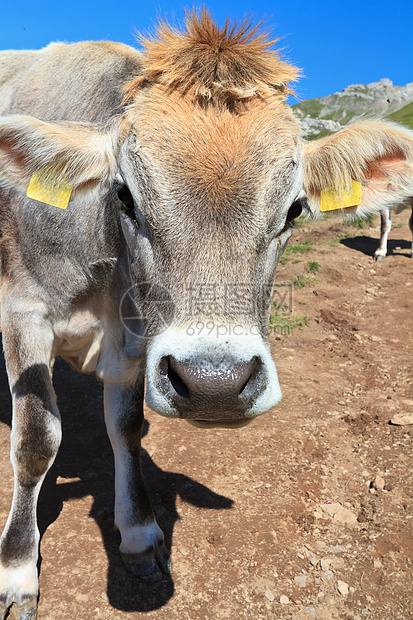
324 115
404 116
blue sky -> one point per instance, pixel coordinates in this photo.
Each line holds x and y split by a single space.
335 43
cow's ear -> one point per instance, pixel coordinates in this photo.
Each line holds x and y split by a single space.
361 169
68 154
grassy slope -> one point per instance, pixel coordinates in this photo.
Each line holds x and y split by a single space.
404 116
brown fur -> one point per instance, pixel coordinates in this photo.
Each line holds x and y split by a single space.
215 154
212 63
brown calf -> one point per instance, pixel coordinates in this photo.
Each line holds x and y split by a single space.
145 200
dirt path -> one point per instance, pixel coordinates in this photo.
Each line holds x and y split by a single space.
280 519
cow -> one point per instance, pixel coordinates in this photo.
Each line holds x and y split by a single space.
145 195
385 228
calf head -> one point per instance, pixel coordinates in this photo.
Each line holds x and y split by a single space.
213 166
210 171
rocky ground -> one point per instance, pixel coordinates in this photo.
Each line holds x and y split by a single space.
306 513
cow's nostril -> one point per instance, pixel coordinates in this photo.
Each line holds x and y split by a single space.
252 382
245 385
176 381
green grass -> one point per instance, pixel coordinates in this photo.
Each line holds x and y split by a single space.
302 280
310 107
303 247
281 325
404 116
296 249
360 222
313 267
316 108
336 240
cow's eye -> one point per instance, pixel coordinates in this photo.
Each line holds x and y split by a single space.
125 197
295 210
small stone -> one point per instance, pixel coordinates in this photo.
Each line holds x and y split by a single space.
342 587
310 611
301 580
378 483
377 564
325 563
402 419
338 549
328 574
284 600
339 513
314 561
268 594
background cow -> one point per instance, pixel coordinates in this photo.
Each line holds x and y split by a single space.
385 228
182 169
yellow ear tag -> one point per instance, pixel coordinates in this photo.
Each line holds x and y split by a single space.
43 188
333 198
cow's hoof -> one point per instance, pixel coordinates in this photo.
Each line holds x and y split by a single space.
26 611
29 612
378 257
153 565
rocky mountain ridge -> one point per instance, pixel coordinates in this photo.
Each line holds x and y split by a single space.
324 115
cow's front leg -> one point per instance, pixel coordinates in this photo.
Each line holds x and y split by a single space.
35 439
142 542
385 227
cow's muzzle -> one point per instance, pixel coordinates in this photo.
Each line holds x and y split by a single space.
210 392
211 381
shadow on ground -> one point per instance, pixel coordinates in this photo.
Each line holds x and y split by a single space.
85 459
367 245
